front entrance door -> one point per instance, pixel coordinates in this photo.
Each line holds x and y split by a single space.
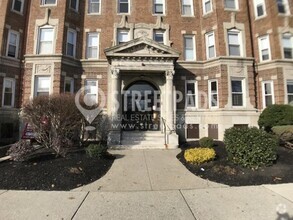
141 107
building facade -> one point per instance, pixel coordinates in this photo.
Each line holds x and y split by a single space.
198 66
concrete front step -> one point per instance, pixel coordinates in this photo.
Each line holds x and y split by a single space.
139 147
142 134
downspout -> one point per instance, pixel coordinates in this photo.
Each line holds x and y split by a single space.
255 72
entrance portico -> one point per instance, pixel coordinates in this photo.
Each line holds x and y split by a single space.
142 59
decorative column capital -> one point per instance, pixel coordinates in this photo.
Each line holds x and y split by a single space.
115 73
169 74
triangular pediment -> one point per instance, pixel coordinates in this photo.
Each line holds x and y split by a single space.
142 47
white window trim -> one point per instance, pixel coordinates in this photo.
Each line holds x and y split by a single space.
194 47
207 45
44 4
164 35
243 84
21 9
287 8
35 81
71 84
192 9
282 46
264 10
164 8
17 43
118 8
39 39
260 49
74 43
97 85
94 13
239 32
204 8
189 108
263 92
77 6
286 89
122 30
13 92
210 93
232 9
87 46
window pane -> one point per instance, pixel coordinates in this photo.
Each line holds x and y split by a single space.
208 6
159 9
233 38
123 36
92 52
230 4
214 87
214 101
11 51
290 99
12 39
288 53
43 85
236 86
260 10
94 6
186 10
73 4
159 36
265 54
211 52
70 49
190 88
123 7
268 89
290 87
234 50
93 40
46 34
189 54
191 100
17 5
269 100
237 99
287 41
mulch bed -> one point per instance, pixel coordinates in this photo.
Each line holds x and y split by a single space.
223 171
51 173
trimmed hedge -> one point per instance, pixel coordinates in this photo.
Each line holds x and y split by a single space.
250 147
206 142
96 150
276 115
284 133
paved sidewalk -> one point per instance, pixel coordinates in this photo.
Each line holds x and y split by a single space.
150 184
145 170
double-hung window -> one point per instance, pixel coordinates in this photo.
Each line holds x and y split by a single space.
48 2
231 4
13 44
91 92
283 6
45 41
234 43
290 91
42 85
93 46
187 7
94 7
8 94
207 6
17 5
213 94
191 94
287 43
268 93
71 43
210 45
264 48
69 85
74 4
159 6
189 47
237 92
159 36
259 8
123 6
122 36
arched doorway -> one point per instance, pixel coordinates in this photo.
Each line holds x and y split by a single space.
141 107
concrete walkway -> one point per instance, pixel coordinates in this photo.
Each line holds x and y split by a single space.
145 170
151 184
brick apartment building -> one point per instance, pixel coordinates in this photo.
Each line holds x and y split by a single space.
229 58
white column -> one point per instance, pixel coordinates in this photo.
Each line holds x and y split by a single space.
169 100
115 98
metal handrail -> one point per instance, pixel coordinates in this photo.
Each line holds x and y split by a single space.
165 130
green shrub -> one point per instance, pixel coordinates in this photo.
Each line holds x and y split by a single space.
20 150
276 115
250 147
284 133
96 150
206 142
199 155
